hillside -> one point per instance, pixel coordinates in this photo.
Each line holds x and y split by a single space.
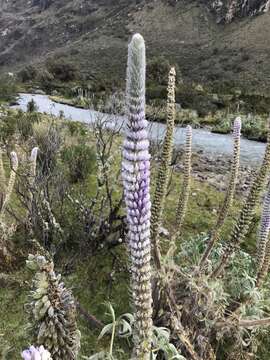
93 35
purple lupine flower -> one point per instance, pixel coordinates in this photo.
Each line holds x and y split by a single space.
34 353
136 181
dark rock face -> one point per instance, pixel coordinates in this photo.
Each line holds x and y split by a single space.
43 4
227 10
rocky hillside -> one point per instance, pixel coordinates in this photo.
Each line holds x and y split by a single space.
198 35
226 11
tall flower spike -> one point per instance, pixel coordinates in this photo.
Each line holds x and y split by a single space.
224 210
33 167
263 240
136 182
33 162
2 177
242 225
263 271
14 168
184 195
163 170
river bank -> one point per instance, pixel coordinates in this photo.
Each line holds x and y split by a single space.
210 144
254 126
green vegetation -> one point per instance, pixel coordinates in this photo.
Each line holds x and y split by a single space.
8 89
83 199
100 278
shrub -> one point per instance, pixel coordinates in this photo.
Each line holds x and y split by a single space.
47 137
76 128
8 88
32 106
80 160
28 73
62 70
19 123
158 69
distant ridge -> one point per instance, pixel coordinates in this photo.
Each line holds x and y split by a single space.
93 34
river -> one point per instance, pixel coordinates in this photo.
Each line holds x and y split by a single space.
213 145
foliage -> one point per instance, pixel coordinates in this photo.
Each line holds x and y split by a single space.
254 126
52 311
32 106
80 160
17 123
8 88
158 69
28 73
62 70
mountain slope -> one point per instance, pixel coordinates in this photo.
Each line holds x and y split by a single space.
94 35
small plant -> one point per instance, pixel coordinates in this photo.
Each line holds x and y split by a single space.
120 327
52 311
31 106
162 347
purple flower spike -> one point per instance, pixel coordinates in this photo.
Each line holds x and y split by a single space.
136 181
38 353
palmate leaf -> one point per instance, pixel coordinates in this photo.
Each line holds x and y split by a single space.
100 356
129 317
124 329
125 323
105 331
111 310
161 333
161 341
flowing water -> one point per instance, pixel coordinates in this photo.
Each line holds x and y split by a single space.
214 145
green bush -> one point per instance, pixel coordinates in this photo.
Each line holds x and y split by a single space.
158 69
76 128
19 123
28 73
80 161
62 70
8 88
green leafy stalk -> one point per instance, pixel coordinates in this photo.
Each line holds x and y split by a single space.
163 170
224 210
242 225
2 177
184 195
11 183
263 244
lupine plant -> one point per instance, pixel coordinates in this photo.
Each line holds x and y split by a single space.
184 194
163 170
52 311
136 181
6 189
192 301
224 210
9 187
